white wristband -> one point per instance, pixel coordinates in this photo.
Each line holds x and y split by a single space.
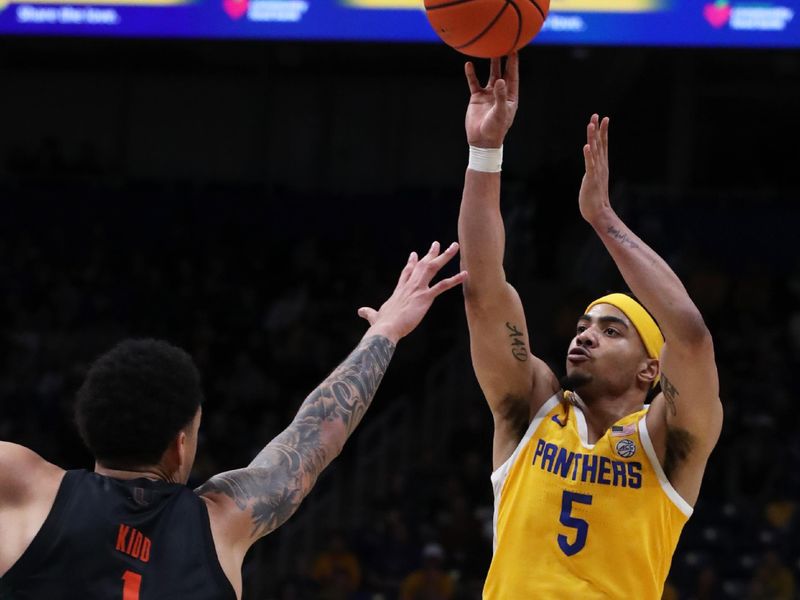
486 160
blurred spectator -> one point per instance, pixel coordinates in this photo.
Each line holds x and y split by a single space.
670 592
392 555
773 580
707 585
430 582
337 569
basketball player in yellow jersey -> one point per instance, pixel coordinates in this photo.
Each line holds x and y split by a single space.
592 487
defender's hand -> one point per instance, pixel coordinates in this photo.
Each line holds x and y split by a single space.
492 108
593 198
412 297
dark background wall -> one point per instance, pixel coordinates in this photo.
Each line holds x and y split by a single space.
244 199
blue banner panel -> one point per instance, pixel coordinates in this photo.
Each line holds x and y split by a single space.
727 23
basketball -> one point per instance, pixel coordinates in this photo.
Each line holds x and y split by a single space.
487 28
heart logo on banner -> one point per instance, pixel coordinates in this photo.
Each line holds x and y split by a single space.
236 9
717 14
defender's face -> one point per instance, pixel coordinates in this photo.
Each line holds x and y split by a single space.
606 348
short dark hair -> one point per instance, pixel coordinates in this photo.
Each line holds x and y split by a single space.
135 399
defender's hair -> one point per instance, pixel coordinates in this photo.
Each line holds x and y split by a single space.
135 400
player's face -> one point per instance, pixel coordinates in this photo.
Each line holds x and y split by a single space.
606 350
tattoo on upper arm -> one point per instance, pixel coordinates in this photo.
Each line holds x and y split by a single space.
622 237
518 349
671 393
278 479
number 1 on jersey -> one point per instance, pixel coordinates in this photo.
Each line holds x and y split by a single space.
581 527
133 583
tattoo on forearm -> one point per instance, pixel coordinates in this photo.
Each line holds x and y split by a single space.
518 349
671 394
278 479
622 237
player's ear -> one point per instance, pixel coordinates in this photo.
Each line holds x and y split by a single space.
182 448
649 371
176 453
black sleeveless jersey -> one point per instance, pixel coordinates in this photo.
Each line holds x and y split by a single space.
113 539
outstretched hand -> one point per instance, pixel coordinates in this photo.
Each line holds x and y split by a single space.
492 107
593 198
413 295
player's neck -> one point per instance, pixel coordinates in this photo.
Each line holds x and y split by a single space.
602 411
154 473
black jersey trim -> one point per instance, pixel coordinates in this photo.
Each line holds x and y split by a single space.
36 553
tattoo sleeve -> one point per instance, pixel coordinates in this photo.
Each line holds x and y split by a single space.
276 481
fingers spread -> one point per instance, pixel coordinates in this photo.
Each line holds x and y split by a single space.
604 132
512 75
501 99
445 257
450 282
408 269
495 72
422 271
434 251
591 138
500 92
588 159
431 264
368 313
472 78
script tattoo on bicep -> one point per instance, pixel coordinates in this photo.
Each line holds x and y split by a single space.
278 479
518 349
622 237
671 393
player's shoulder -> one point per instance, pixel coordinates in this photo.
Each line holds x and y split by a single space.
22 471
17 454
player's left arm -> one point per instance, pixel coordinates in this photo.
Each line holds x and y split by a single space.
686 418
22 473
28 487
249 503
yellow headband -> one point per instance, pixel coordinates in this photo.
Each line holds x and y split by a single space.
645 325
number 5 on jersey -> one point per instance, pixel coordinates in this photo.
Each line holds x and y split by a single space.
580 526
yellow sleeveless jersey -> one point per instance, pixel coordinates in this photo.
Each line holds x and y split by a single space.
574 520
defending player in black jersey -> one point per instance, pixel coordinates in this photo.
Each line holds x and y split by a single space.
132 530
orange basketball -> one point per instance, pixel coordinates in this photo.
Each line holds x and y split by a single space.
487 28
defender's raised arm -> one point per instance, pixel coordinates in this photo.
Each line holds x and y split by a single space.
249 503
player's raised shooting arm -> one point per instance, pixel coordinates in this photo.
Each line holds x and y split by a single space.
511 377
514 381
690 399
251 502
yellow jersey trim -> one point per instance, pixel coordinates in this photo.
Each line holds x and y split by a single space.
501 473
650 451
